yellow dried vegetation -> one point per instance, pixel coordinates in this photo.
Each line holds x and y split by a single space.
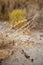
16 17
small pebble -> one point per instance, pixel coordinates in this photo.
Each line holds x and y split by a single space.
32 60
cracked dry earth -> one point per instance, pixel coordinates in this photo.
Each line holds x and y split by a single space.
27 49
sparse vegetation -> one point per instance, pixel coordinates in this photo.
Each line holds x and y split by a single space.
21 32
17 16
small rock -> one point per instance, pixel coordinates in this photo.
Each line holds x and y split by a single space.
32 60
25 54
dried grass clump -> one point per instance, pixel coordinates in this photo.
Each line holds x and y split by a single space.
16 17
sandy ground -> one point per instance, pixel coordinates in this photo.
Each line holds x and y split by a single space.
24 54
